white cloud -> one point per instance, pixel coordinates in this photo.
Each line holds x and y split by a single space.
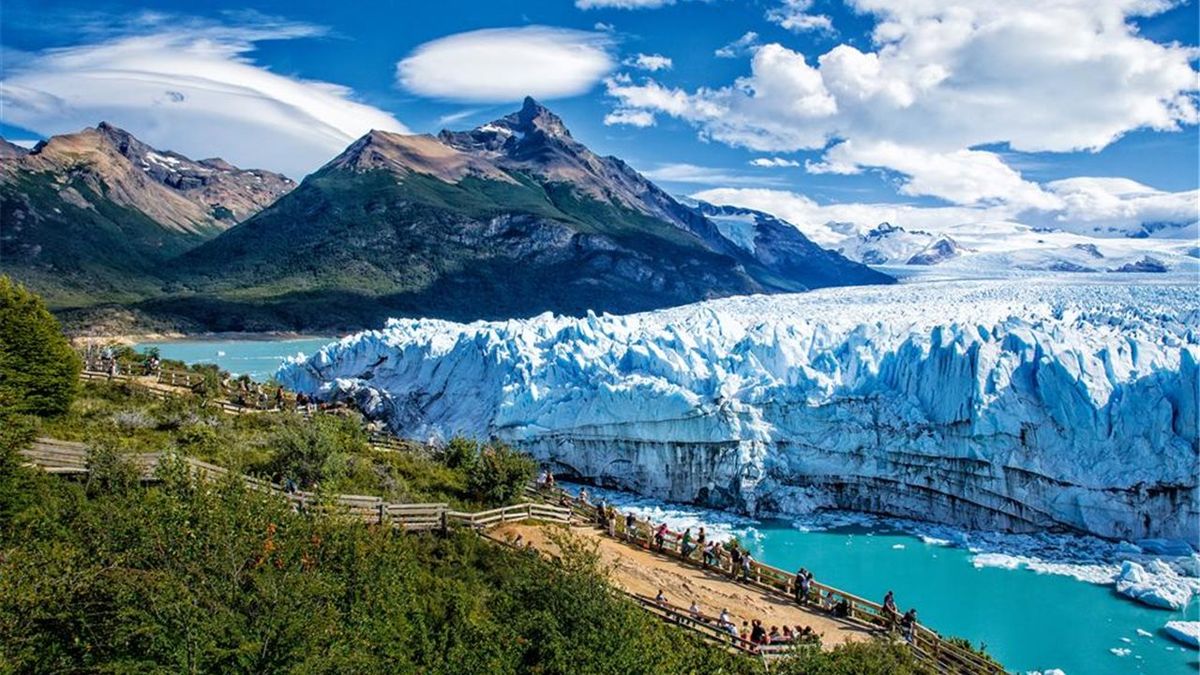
743 45
633 118
1119 205
622 4
192 88
651 62
794 16
943 78
1091 206
702 175
499 65
773 162
957 176
812 218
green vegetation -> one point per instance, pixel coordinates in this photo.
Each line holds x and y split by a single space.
39 371
188 577
330 451
855 658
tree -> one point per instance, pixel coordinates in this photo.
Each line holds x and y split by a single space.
499 474
39 371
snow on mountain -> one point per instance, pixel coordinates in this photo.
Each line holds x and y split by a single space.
941 250
1053 403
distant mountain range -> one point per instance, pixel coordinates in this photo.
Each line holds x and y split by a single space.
96 215
509 219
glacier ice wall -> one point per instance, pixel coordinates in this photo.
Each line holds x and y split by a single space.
1018 405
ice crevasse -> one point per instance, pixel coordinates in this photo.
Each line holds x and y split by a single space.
1019 405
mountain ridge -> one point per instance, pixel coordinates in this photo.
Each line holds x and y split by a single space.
512 218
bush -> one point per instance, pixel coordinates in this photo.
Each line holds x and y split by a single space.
855 658
499 474
315 450
39 372
178 579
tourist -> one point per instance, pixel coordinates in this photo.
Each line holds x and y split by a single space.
694 610
701 538
660 536
735 557
685 544
550 479
788 635
890 611
774 636
747 565
602 515
803 586
745 635
583 496
909 624
660 598
543 479
711 558
279 398
630 528
612 521
723 618
758 634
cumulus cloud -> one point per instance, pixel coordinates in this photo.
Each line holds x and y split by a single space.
499 65
773 162
1091 206
794 16
943 78
1094 205
192 88
651 62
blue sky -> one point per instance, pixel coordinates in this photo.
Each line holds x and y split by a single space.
1002 109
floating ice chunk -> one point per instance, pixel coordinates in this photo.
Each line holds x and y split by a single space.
1185 632
1144 633
1120 651
1156 584
898 547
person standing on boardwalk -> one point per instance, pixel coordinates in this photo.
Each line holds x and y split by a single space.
747 565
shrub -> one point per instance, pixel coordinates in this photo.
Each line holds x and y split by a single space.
499 474
854 658
39 372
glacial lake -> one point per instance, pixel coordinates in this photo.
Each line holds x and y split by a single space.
1030 621
257 358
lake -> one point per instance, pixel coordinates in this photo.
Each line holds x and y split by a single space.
257 358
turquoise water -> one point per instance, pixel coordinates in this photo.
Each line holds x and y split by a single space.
1029 621
257 358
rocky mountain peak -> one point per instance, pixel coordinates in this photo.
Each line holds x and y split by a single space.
533 117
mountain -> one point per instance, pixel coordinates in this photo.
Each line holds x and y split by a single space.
941 250
885 244
94 214
512 218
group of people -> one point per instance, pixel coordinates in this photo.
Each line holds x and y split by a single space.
742 567
891 613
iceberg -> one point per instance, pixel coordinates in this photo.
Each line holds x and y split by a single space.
1184 632
1019 405
1156 584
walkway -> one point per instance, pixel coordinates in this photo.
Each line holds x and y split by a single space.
644 573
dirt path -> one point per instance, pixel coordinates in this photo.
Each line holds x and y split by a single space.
640 571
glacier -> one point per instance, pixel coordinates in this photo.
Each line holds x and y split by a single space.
1020 405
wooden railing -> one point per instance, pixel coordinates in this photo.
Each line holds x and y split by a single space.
70 458
926 644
